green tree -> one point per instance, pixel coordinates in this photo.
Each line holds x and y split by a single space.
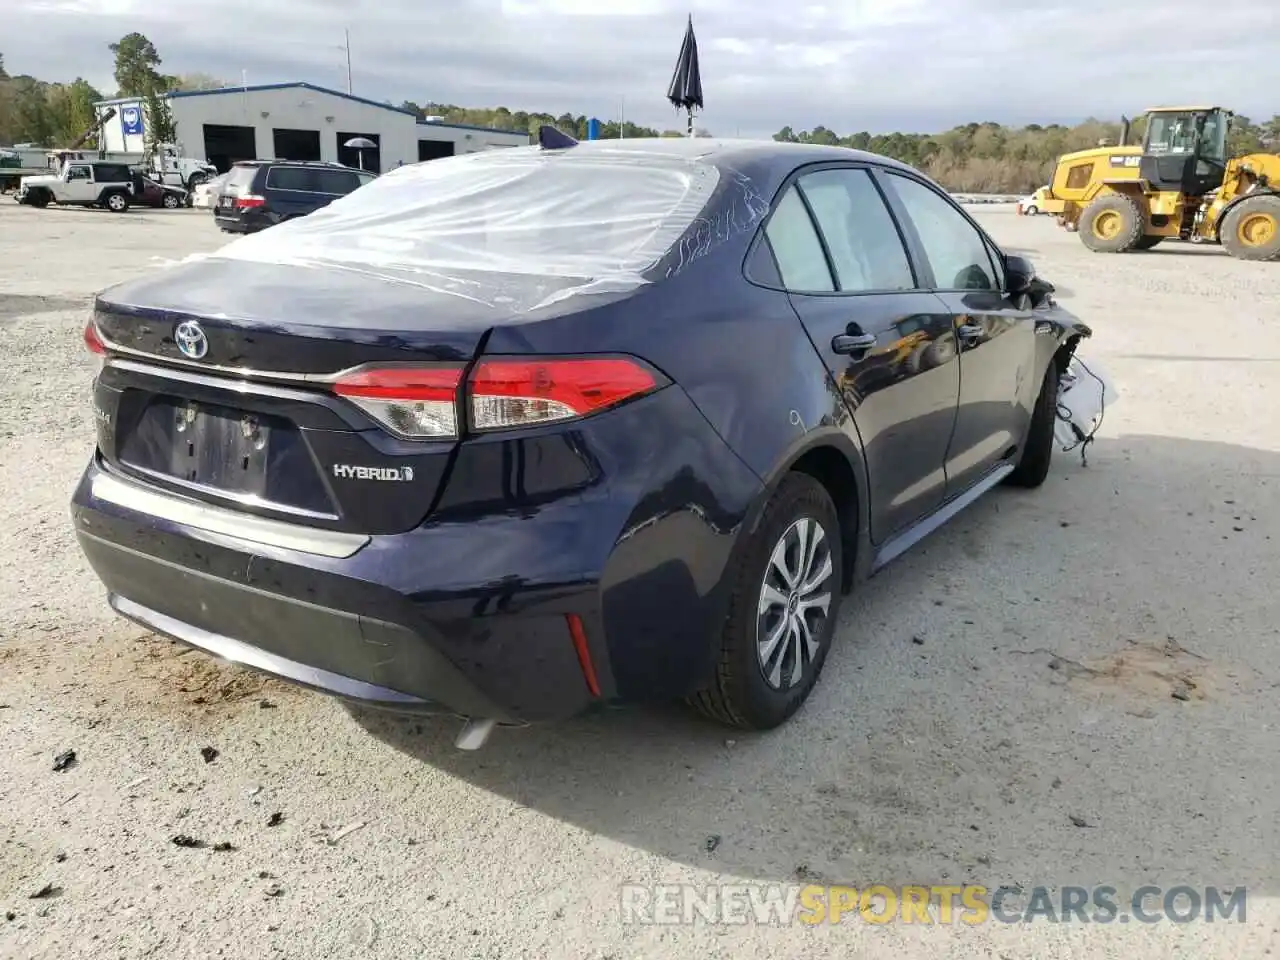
1243 137
71 111
160 126
194 81
136 70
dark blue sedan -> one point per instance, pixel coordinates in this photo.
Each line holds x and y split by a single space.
517 433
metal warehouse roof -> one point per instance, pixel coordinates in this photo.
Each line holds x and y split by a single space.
303 85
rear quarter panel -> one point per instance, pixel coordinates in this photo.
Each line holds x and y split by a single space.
752 377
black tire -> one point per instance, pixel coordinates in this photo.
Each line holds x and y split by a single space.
116 202
1251 229
1147 242
38 198
1037 448
194 179
1111 224
1032 210
741 695
171 201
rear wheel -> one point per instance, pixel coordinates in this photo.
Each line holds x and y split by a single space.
782 614
171 201
1032 210
1037 448
1251 229
1111 224
116 202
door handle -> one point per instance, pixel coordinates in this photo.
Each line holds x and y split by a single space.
853 342
968 331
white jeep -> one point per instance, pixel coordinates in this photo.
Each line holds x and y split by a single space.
87 184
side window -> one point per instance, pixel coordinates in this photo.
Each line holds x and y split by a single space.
956 251
78 173
797 248
335 181
290 178
865 246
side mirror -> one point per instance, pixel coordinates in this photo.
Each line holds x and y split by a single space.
1021 279
1019 274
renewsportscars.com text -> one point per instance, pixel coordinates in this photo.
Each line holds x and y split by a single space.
786 904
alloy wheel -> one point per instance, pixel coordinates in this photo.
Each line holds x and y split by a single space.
795 599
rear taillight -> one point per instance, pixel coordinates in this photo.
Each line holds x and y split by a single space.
418 403
92 340
249 202
519 393
422 402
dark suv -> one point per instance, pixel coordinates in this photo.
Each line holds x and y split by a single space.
260 193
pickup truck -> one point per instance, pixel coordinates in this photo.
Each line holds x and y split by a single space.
84 184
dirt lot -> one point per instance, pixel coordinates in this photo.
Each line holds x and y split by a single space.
1000 707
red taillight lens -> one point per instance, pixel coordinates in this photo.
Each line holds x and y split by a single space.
421 402
417 403
249 202
518 393
92 340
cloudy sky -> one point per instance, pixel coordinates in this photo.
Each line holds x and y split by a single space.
850 65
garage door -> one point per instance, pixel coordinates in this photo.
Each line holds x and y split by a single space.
296 144
434 149
350 157
223 146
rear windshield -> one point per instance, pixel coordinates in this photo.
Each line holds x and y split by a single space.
604 217
241 175
312 180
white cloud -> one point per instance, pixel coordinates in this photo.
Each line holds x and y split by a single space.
857 64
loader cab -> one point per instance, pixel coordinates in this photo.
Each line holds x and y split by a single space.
1185 149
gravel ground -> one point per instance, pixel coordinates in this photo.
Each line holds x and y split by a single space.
1000 708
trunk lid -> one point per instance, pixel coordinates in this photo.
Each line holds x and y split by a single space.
251 421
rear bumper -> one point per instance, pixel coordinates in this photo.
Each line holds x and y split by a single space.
471 612
234 224
319 621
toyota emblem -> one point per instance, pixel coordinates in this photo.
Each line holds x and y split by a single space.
191 340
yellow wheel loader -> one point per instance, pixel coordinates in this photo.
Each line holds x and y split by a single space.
1176 185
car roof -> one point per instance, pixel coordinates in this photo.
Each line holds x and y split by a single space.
765 162
727 151
295 163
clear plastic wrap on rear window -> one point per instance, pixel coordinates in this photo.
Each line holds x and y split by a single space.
487 226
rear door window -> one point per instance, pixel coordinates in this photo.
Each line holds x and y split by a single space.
337 182
796 247
865 246
111 173
291 178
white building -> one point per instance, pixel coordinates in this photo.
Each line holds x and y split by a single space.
296 121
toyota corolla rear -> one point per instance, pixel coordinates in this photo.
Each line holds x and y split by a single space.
309 462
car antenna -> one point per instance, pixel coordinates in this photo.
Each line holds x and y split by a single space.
549 138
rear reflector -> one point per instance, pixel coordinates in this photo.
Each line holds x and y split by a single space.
417 403
578 634
519 393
